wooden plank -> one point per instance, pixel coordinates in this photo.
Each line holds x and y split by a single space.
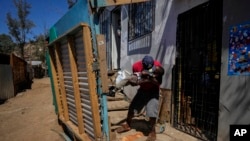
19 72
73 128
55 80
122 2
102 62
112 135
61 82
165 106
73 66
92 80
104 3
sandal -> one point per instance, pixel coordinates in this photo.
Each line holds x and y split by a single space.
123 128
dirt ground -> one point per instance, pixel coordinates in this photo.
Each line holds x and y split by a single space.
30 116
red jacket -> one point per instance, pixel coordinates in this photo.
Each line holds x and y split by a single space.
138 67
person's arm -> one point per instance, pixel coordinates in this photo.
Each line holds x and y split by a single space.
155 77
133 81
151 79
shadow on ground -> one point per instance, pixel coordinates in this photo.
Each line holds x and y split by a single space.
140 125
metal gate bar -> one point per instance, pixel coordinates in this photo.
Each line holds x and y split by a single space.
196 74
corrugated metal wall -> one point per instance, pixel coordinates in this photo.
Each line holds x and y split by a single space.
6 82
75 83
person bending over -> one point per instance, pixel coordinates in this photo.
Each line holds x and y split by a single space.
149 74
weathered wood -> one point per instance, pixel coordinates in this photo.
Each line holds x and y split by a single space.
165 109
75 130
55 81
73 66
19 70
112 135
102 3
61 82
92 80
102 62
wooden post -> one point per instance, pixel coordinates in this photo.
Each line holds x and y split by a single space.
92 80
55 80
104 3
102 62
165 111
61 82
74 71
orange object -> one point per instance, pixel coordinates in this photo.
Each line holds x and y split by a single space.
132 137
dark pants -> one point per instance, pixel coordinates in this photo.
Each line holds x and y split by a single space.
147 98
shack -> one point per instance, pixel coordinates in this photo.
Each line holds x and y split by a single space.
203 45
38 69
14 75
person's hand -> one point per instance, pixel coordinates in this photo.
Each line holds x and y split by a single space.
133 80
146 74
149 79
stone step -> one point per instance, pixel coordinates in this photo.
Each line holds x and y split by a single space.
117 117
118 96
117 105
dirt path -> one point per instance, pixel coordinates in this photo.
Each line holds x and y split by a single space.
30 116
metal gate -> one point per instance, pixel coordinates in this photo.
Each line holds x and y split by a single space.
196 76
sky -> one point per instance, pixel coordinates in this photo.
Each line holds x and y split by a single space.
44 14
